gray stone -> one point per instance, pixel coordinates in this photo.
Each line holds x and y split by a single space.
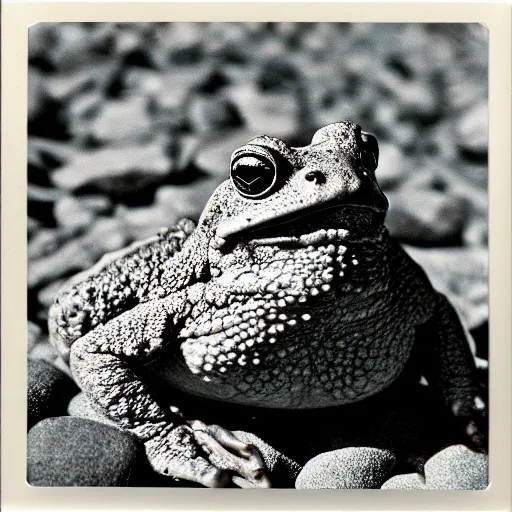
172 202
34 335
454 468
407 482
67 451
80 112
33 226
47 295
37 97
56 151
461 275
348 468
43 351
122 120
39 194
276 113
116 170
63 86
81 406
71 214
457 467
476 233
473 126
107 234
426 217
48 391
390 171
97 204
212 114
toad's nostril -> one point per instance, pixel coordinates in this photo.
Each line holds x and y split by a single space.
317 176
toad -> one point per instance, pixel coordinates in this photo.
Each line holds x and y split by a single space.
289 293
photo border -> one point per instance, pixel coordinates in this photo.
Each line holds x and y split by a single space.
16 493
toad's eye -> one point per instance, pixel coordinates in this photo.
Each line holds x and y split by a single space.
254 171
369 151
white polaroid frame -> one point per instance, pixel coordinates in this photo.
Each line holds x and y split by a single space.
16 493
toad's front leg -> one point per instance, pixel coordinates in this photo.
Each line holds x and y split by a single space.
104 362
450 369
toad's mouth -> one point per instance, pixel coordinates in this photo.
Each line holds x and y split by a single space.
326 224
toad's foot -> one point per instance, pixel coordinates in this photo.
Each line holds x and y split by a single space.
472 417
174 452
226 452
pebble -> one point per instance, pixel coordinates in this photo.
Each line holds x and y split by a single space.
457 467
34 335
107 234
125 119
278 113
37 97
454 468
81 406
66 451
426 217
115 170
405 482
461 275
391 167
48 391
71 214
210 115
348 468
472 132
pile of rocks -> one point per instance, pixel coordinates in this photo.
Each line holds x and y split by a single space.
131 126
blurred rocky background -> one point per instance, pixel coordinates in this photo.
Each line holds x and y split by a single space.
131 126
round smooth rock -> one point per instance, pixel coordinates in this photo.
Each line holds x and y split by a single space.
49 391
282 470
426 217
34 335
405 482
348 468
68 451
457 467
454 468
82 407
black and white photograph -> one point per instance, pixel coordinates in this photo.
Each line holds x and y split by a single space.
258 255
